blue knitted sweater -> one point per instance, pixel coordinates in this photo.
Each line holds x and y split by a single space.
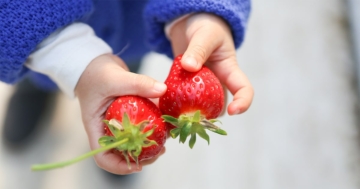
138 24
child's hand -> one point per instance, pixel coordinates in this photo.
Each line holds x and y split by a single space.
207 38
105 78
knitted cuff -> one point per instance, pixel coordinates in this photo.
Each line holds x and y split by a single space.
158 13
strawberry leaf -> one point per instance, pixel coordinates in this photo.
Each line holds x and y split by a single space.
126 156
192 140
184 133
218 131
142 124
209 124
138 150
106 140
171 120
126 121
214 121
182 123
175 132
196 117
148 143
202 133
137 161
148 133
113 129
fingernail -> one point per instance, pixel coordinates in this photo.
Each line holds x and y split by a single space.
237 112
190 61
159 87
138 169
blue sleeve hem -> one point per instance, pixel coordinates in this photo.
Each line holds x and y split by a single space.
158 13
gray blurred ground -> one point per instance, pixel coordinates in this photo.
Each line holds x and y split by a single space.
301 131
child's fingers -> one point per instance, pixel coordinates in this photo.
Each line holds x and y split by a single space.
225 99
242 101
243 92
206 32
113 163
107 160
236 81
201 46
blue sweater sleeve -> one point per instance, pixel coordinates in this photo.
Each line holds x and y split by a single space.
158 13
24 24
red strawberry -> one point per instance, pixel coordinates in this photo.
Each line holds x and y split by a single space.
139 120
134 128
192 102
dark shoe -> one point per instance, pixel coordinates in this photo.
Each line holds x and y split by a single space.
24 112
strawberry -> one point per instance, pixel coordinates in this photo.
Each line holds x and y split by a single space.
133 127
138 120
192 102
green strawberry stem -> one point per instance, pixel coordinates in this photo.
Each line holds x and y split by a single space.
42 167
127 138
192 125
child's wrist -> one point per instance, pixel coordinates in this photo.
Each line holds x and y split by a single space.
169 26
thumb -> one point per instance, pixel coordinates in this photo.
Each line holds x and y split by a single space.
142 85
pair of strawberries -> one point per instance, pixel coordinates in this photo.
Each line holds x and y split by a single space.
190 105
138 129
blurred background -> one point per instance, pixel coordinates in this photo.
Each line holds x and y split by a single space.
302 130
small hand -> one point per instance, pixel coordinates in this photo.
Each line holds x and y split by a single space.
206 38
106 78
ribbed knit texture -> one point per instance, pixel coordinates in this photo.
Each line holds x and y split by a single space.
158 13
25 23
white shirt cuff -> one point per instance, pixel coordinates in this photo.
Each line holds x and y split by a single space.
65 54
169 26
